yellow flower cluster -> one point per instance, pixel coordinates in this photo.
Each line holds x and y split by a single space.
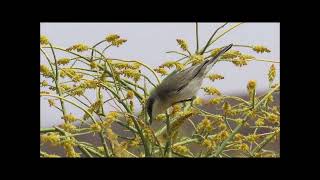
180 149
63 61
209 143
68 127
259 122
109 119
242 146
46 72
112 37
53 138
125 65
226 107
198 101
111 136
180 120
273 118
135 142
183 44
238 137
79 91
272 73
251 85
70 152
161 117
221 136
130 94
215 100
214 77
78 48
171 64
115 40
196 59
44 40
161 71
44 83
95 127
215 51
69 118
260 49
252 137
205 125
72 74
51 102
175 109
211 91
131 73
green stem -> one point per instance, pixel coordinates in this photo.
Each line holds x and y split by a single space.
75 104
214 33
197 38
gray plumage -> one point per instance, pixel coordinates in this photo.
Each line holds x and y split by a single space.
180 86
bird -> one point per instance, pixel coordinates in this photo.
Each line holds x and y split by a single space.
180 86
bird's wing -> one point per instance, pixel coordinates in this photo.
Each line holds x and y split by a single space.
178 80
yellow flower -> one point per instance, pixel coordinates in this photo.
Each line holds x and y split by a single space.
130 94
68 127
238 137
243 147
111 135
44 83
183 44
46 72
112 37
181 149
239 62
69 118
196 59
252 137
260 49
273 118
251 85
205 125
51 102
161 117
130 73
95 127
231 54
215 51
63 61
53 138
70 152
259 122
91 84
211 91
93 65
118 42
198 101
161 71
215 100
208 143
214 77
78 48
226 107
175 109
44 40
135 142
272 73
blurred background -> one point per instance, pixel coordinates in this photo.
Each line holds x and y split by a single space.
149 42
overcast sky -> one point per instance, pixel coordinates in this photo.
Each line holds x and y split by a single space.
148 43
